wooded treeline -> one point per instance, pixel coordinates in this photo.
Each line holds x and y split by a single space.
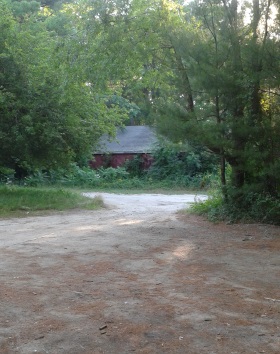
205 71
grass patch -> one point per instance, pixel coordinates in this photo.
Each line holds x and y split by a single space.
17 201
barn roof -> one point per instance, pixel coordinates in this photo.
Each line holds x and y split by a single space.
129 139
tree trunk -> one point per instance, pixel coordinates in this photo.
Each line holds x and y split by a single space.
238 177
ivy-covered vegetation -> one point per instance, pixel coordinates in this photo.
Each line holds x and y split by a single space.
203 72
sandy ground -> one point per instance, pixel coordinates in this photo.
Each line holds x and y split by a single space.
137 277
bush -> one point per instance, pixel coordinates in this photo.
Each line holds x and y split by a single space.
6 175
251 207
71 177
36 179
111 174
181 162
77 177
171 169
135 167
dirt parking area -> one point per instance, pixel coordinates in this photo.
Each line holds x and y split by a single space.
137 277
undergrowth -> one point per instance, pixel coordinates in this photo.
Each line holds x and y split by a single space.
252 207
117 178
173 167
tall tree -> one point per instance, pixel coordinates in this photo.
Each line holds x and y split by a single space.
49 115
209 70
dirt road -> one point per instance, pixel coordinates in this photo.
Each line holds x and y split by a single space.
138 278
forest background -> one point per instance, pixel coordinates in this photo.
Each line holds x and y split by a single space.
204 73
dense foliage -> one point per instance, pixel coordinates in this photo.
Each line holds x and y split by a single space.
171 170
252 207
49 116
209 70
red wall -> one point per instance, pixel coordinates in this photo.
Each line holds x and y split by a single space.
117 160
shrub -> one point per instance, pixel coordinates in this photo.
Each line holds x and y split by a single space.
171 169
76 176
258 207
179 161
135 167
6 175
111 174
73 176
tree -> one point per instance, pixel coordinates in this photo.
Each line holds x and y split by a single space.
49 115
246 123
210 72
205 72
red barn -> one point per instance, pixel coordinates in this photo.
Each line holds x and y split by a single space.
130 141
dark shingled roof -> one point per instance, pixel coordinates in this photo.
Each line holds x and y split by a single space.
130 139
